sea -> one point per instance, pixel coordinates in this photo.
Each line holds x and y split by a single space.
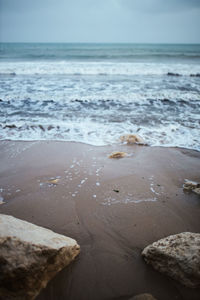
94 93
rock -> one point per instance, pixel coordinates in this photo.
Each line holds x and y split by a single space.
173 74
192 186
53 181
195 75
165 100
10 126
143 297
177 256
29 257
41 127
197 191
117 154
131 139
50 127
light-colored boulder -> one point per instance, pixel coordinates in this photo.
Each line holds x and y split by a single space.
117 154
29 257
197 191
177 256
53 181
143 297
131 139
190 185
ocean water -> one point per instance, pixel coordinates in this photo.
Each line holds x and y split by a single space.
93 93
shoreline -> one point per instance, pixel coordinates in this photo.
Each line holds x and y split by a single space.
117 143
113 208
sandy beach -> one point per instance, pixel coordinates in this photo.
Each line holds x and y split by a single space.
112 207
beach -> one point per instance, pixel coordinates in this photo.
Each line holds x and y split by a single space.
112 207
64 108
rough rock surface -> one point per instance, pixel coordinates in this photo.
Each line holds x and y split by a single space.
132 139
29 257
177 256
197 191
192 186
117 154
173 74
143 297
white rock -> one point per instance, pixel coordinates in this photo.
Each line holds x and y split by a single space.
29 257
197 191
131 139
177 256
190 185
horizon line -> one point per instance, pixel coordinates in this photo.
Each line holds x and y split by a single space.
146 43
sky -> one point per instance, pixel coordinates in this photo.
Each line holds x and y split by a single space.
129 21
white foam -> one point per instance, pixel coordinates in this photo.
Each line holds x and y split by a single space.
96 110
104 134
110 200
94 68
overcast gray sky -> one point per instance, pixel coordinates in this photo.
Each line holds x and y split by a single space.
150 21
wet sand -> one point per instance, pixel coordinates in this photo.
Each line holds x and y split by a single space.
113 208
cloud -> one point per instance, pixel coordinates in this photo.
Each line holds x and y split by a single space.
160 6
100 21
144 5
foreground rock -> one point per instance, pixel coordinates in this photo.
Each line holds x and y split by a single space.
131 139
177 256
143 297
197 191
29 257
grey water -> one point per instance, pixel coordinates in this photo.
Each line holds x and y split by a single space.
93 93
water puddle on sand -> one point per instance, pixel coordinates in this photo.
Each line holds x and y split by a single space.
8 192
51 182
16 149
156 189
126 200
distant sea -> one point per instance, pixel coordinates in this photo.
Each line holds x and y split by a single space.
93 93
